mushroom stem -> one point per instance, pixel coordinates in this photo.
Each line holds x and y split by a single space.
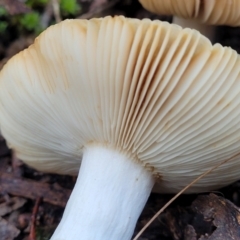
207 30
109 195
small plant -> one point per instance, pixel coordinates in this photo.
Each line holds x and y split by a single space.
69 7
30 21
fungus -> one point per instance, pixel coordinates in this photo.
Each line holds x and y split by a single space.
133 102
202 15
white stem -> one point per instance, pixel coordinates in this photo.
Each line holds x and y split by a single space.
207 30
109 195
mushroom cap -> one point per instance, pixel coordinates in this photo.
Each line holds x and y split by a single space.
158 93
214 12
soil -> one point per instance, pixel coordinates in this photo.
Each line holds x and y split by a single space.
32 203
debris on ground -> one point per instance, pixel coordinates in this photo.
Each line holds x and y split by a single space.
210 217
220 214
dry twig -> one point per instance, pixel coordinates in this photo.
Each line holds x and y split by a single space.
56 11
33 189
32 234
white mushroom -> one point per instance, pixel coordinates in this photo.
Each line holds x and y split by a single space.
137 101
201 15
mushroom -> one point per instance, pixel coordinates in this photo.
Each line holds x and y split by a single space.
135 102
197 13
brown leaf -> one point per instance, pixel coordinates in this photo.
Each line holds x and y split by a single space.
13 204
223 214
210 217
190 233
8 231
33 189
184 223
14 6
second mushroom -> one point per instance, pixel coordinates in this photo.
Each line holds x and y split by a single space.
202 15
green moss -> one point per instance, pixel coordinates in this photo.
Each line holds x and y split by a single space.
30 20
69 7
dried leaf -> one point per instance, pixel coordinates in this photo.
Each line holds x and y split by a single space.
190 233
210 217
222 214
33 189
14 204
8 231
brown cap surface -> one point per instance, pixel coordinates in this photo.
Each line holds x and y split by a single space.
214 12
